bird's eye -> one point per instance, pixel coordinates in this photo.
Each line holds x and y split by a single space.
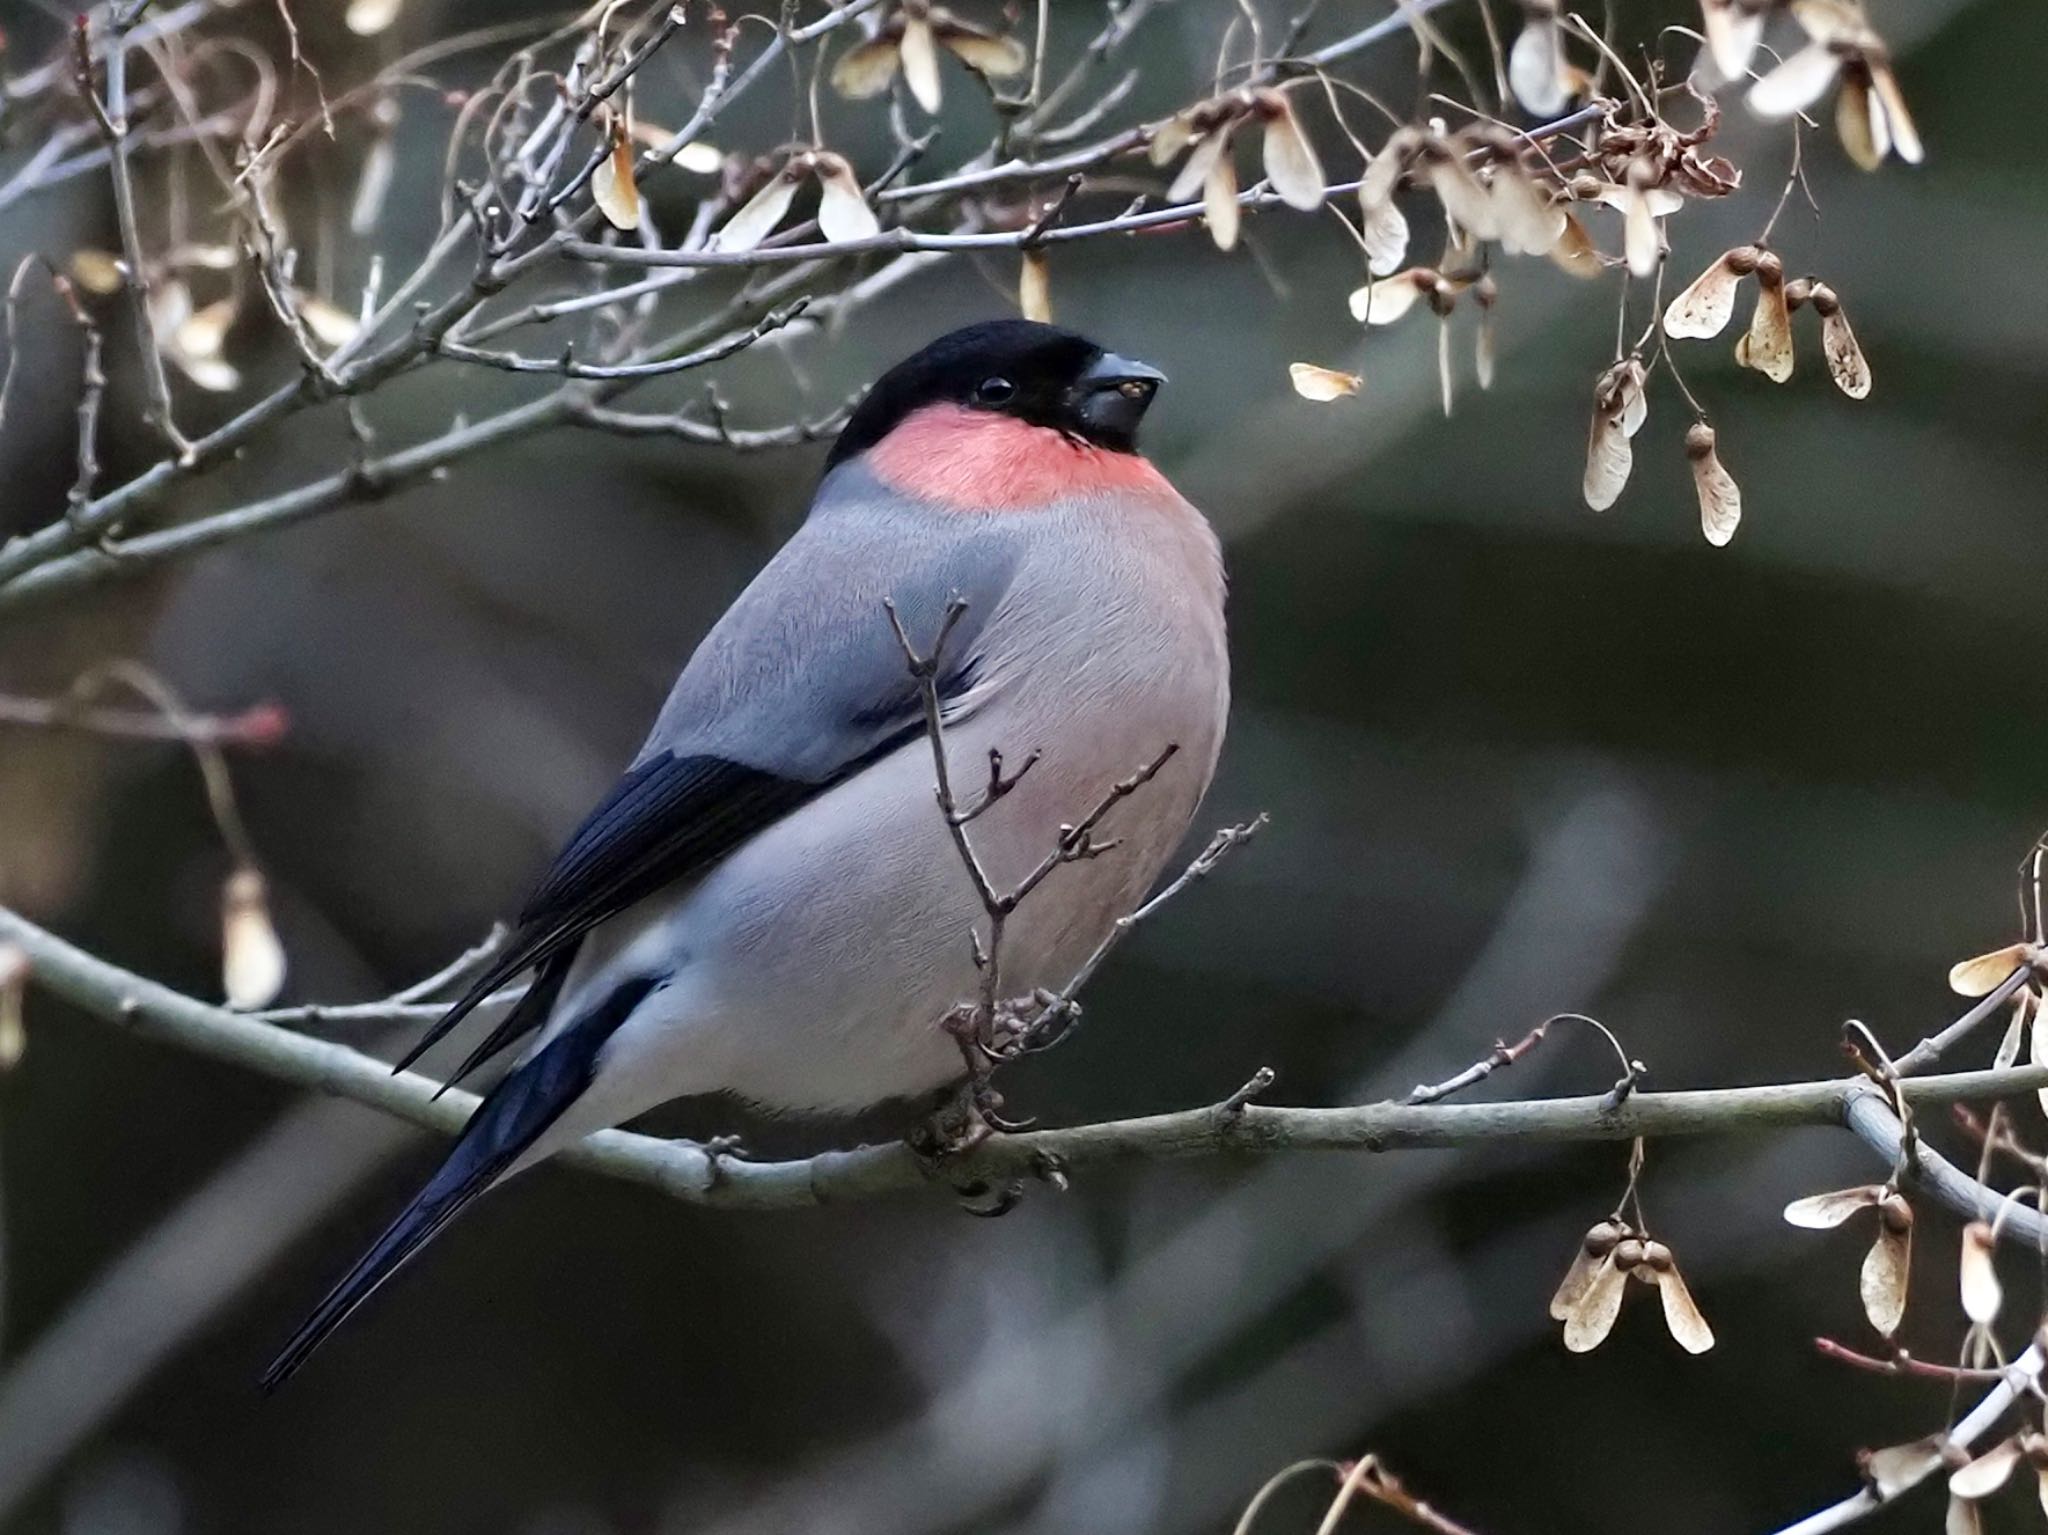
995 391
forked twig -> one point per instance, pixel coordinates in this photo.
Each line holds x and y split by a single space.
995 1028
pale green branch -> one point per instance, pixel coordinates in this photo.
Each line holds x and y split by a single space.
688 1172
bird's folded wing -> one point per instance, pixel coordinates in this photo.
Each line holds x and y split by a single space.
667 818
738 746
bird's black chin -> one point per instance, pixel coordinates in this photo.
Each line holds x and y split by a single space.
1111 398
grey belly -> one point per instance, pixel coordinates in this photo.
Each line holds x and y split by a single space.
811 969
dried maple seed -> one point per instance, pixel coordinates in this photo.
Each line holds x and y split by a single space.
612 186
97 272
1219 199
1822 1212
2015 1029
1767 345
1990 1471
1289 158
1384 172
1034 287
1588 1267
909 39
1870 114
1321 384
1466 202
1640 237
1384 302
1206 133
14 969
1485 293
1707 305
1530 223
1575 252
1619 410
252 958
1979 1287
843 211
1720 497
1887 1267
1901 1467
1983 974
1385 230
1733 29
1847 365
1537 72
366 18
759 215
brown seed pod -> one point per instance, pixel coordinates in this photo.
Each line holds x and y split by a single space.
1847 365
1619 409
1720 497
1708 302
1767 345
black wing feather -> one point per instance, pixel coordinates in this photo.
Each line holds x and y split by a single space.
524 1016
666 819
512 1116
676 812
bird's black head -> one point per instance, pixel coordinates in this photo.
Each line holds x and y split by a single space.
1037 373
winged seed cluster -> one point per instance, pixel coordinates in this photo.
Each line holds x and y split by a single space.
1607 208
1974 1473
1612 1255
1582 152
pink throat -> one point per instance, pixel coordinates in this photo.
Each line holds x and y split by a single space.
974 460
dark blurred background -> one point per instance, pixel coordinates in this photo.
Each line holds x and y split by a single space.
1519 758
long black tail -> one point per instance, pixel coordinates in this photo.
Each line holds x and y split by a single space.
510 1119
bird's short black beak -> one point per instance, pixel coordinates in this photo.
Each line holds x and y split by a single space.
1111 398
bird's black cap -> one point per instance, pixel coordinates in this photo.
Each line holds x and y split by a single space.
1037 373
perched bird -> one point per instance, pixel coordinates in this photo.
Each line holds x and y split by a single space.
769 903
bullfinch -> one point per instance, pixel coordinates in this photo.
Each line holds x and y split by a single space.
769 904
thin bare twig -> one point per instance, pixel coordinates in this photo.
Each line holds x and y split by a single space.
1931 1049
1901 1364
1366 1477
1501 1056
258 727
566 365
716 432
111 114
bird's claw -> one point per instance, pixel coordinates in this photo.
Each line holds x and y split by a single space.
716 1150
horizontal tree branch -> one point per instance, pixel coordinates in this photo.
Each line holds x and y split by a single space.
368 480
697 1176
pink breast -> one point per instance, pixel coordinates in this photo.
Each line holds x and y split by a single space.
980 461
